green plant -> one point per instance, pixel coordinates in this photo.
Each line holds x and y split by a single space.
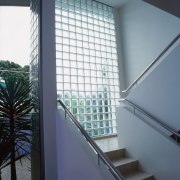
15 106
8 68
6 146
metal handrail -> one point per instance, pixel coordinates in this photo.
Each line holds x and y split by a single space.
99 152
162 124
154 62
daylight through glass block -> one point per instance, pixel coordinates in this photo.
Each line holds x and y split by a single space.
86 60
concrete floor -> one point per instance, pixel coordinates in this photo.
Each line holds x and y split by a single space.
23 171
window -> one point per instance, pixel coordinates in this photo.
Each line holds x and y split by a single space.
87 68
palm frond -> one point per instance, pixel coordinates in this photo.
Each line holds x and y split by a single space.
15 105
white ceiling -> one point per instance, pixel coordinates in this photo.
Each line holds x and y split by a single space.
114 3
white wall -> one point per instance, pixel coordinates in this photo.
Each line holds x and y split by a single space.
145 32
122 79
157 154
76 159
159 92
47 89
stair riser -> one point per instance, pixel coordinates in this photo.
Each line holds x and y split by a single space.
149 178
128 167
112 155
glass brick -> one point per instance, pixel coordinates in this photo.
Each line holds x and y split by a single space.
87 63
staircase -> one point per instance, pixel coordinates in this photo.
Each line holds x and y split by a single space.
127 166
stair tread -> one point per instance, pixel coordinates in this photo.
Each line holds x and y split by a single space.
118 149
137 175
124 160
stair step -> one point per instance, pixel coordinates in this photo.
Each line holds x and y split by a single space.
128 167
125 165
138 175
116 154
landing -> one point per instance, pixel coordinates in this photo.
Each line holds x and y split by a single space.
108 143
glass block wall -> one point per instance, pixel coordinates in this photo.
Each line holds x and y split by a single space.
34 74
34 71
87 68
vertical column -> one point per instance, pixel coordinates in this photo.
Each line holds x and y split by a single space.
48 97
122 77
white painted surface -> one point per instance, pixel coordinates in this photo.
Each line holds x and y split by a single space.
145 31
48 98
157 154
159 92
76 159
122 79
